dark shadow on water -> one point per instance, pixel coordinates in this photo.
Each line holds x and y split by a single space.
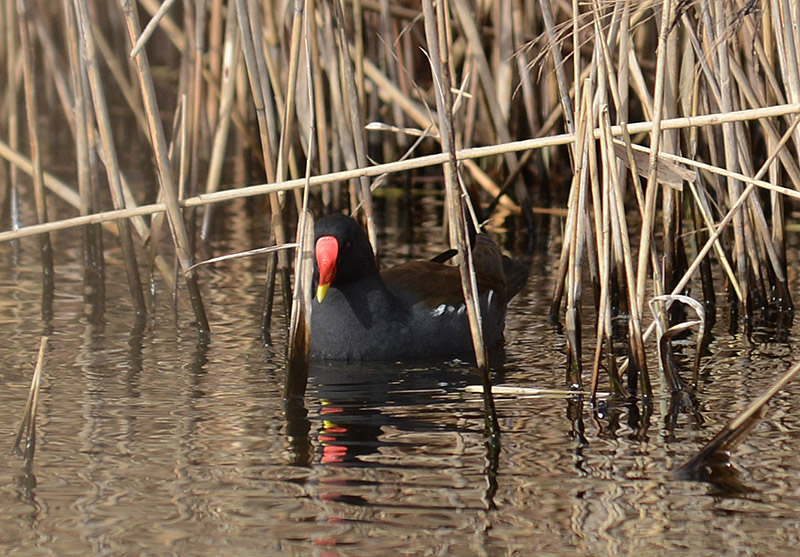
199 367
135 360
26 482
298 430
610 414
718 472
681 402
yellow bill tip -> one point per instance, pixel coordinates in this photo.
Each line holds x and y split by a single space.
322 289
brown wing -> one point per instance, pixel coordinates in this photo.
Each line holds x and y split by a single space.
435 283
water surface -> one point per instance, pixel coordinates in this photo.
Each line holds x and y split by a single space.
151 443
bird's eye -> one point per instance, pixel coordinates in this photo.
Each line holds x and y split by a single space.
348 245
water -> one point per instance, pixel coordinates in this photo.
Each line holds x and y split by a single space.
149 443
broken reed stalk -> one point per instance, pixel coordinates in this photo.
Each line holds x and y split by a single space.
603 332
175 217
624 252
27 427
182 139
195 94
151 27
554 49
672 202
607 224
734 431
659 306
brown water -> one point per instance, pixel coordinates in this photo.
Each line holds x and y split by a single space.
149 443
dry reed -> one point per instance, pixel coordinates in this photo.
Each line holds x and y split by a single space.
714 84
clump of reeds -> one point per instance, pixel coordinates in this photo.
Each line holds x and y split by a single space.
673 122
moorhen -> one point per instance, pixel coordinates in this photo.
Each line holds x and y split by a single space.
410 312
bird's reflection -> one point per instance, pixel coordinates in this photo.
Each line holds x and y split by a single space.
366 415
349 432
358 402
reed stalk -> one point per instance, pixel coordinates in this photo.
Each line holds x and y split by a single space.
436 33
353 107
230 63
109 153
734 431
168 189
260 86
12 116
299 343
31 111
440 65
577 240
86 161
27 427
